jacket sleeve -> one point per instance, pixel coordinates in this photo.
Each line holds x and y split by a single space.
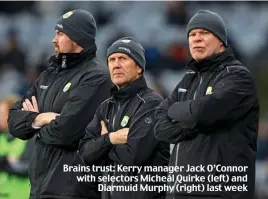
20 122
94 146
167 129
141 141
231 98
68 128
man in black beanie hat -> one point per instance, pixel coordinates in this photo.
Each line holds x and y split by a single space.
121 133
56 110
212 118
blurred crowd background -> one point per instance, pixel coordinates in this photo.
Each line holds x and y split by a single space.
27 30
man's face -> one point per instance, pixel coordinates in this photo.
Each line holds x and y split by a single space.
63 43
123 69
203 44
3 115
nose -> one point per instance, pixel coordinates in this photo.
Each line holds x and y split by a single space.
54 40
197 37
116 64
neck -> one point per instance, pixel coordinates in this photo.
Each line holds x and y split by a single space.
78 49
220 50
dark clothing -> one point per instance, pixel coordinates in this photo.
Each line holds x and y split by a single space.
73 86
130 107
212 117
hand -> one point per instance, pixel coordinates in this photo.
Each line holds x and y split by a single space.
103 128
44 118
119 137
28 106
12 159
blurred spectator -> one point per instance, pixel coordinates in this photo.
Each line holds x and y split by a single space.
176 13
10 7
14 55
262 162
10 80
40 67
14 161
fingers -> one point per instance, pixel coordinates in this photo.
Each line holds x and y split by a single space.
35 105
54 115
103 128
25 106
29 105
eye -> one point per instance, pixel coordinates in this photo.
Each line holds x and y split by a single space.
191 34
111 59
123 58
205 33
59 33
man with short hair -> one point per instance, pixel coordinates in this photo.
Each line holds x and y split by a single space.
121 133
211 117
58 107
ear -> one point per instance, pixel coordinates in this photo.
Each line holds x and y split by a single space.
139 70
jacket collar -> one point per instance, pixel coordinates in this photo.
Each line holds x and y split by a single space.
213 61
130 90
70 60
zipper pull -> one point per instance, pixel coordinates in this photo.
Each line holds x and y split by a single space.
63 63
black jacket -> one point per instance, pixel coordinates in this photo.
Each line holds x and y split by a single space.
131 107
73 86
212 117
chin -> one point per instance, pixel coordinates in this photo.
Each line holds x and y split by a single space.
119 83
199 57
56 53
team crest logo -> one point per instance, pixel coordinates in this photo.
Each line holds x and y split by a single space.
67 15
209 90
124 121
67 86
125 40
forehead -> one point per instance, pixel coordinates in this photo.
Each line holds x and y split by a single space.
198 30
57 31
116 55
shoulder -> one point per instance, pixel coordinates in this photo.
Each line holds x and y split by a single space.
95 70
45 74
240 69
236 71
149 96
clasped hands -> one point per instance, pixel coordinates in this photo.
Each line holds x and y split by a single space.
41 119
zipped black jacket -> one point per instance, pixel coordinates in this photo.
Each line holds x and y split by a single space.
212 118
130 107
73 86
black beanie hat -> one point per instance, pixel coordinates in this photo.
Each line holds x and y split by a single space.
209 21
130 47
80 26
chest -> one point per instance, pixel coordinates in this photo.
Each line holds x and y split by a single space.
197 85
54 89
121 114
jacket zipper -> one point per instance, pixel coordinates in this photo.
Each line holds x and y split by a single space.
178 145
118 108
200 82
176 163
